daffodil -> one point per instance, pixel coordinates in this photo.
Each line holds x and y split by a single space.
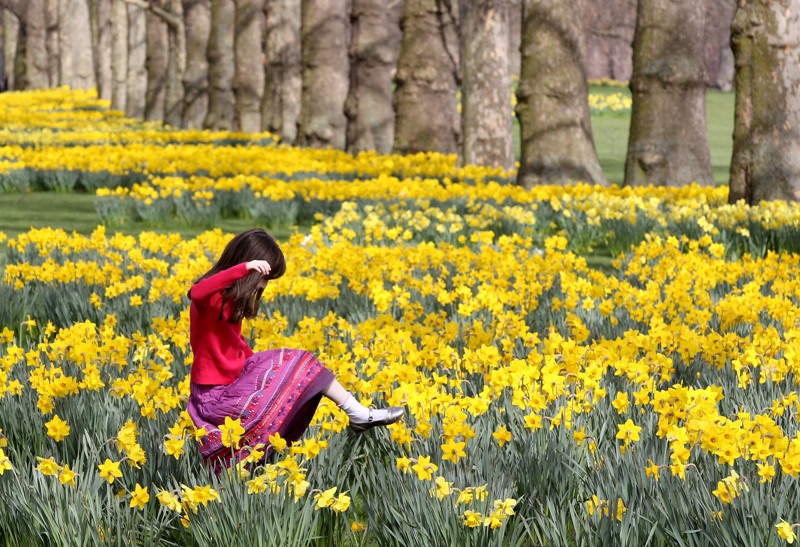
109 470
424 468
57 429
786 531
472 519
139 496
232 432
502 435
325 498
66 476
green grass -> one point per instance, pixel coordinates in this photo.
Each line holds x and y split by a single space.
19 212
76 212
611 135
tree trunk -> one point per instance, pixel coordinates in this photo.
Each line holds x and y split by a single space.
280 105
369 110
197 17
248 82
609 27
486 86
668 143
766 135
552 98
325 40
79 41
425 99
220 66
156 59
137 57
35 73
11 32
119 54
102 48
3 79
514 38
176 64
52 18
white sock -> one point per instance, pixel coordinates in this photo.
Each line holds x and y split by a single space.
358 413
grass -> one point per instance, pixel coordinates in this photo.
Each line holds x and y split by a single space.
76 212
611 135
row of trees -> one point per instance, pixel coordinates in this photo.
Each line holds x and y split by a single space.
329 73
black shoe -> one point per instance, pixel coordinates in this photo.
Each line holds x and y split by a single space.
393 413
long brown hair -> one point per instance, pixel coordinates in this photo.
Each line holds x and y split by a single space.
244 295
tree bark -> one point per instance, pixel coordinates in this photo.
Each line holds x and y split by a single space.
220 66
176 64
52 18
137 58
369 110
78 29
668 143
552 98
102 48
3 79
156 59
766 136
609 28
280 105
248 82
197 17
325 41
425 99
34 74
514 38
119 54
486 86
11 32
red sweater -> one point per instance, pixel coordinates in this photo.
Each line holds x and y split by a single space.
219 348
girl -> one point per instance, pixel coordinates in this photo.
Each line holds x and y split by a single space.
274 391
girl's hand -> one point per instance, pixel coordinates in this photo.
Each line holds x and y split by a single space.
260 266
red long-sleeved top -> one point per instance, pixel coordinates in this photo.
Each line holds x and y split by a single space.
219 348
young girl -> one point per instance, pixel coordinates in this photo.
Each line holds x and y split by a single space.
274 391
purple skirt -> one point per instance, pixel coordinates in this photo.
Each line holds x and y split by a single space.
278 391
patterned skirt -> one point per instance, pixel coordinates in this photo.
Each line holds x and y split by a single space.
278 391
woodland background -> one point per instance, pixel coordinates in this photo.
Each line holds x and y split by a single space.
441 75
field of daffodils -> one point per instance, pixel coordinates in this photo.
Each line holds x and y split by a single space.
581 366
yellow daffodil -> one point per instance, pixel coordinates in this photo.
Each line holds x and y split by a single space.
57 429
139 496
109 470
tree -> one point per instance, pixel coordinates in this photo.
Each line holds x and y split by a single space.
156 63
220 66
80 41
766 136
667 144
486 87
248 81
426 107
32 72
197 18
176 63
119 54
56 62
325 35
101 44
280 104
137 58
11 38
369 110
552 98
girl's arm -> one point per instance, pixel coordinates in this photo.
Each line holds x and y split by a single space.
219 281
